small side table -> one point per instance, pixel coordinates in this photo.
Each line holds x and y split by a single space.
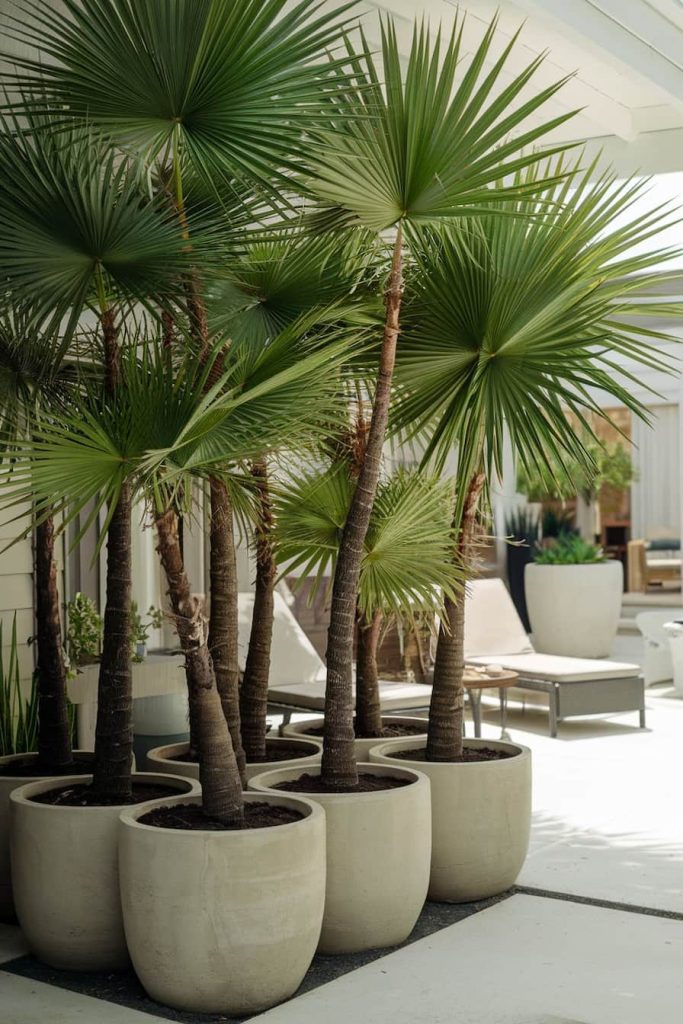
475 683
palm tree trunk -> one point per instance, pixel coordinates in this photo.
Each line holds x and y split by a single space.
224 613
338 763
368 709
54 732
218 769
113 729
447 707
254 692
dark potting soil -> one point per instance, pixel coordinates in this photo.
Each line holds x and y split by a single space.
366 784
274 752
32 768
83 796
470 754
191 817
389 732
280 752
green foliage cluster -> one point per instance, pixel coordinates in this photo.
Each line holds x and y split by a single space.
18 701
569 549
84 632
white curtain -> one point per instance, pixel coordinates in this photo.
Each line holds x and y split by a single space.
656 494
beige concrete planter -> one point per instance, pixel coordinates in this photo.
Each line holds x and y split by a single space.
481 819
7 785
65 877
378 854
362 746
223 922
574 610
161 759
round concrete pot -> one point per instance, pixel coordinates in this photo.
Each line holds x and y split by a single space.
481 819
65 876
574 609
378 854
161 759
8 783
362 746
223 922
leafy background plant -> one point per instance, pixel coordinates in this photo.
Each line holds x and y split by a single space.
569 549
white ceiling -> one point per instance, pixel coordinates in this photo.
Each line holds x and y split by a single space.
625 56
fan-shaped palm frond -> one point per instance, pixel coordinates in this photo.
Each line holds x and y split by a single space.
273 283
227 84
427 143
408 561
164 427
38 371
519 326
75 220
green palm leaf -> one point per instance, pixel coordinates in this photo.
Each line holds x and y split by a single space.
516 327
408 557
75 218
429 142
229 84
163 427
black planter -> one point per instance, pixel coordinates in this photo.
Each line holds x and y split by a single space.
518 557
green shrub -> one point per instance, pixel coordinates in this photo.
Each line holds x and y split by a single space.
84 634
570 549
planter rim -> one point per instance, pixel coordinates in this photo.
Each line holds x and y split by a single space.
385 749
129 816
22 795
606 563
31 755
159 752
261 782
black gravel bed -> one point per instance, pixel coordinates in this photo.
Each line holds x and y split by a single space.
124 988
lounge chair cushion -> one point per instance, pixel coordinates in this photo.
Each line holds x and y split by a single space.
558 669
394 696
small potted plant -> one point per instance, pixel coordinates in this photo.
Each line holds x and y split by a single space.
574 594
84 633
139 630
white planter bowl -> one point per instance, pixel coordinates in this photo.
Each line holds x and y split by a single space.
378 855
65 876
223 922
161 759
481 819
8 783
362 746
574 610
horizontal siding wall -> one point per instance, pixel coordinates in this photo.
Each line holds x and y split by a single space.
16 591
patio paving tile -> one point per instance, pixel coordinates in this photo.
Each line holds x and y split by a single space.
527 960
12 943
24 1001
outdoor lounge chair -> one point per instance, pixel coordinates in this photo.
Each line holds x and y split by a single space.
297 677
494 634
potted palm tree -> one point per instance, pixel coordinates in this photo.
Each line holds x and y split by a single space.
166 430
38 372
407 568
407 149
503 336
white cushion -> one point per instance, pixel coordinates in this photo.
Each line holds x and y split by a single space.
393 696
294 658
492 625
558 669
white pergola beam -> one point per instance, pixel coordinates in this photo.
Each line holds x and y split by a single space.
629 31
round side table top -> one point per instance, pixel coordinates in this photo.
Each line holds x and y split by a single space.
483 678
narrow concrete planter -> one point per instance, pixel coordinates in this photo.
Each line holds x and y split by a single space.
7 785
223 922
65 876
362 746
574 609
481 819
161 759
378 853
